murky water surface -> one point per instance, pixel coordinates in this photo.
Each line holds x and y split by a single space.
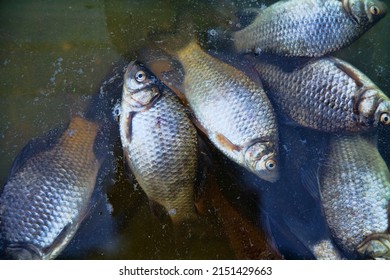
54 56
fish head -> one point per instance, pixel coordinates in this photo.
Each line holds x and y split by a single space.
374 108
21 251
140 86
261 158
382 113
365 12
375 10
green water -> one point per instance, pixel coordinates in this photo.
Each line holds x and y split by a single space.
53 58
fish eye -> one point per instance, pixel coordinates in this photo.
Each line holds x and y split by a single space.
374 10
385 119
140 76
270 164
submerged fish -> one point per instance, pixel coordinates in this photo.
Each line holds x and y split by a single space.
159 142
355 191
327 94
291 211
48 193
232 110
309 28
246 240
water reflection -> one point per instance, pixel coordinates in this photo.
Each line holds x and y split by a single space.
54 57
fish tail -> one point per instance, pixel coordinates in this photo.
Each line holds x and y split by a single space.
184 212
192 47
80 131
183 217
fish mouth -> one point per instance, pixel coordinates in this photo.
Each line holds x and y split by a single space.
140 87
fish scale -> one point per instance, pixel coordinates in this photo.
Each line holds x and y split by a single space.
168 134
50 192
231 109
162 151
325 94
355 190
292 27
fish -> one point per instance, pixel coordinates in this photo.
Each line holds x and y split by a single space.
325 94
291 210
232 110
308 28
355 194
159 142
48 192
247 240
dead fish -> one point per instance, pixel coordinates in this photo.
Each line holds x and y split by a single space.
48 193
247 240
291 210
232 111
355 191
310 28
327 94
159 142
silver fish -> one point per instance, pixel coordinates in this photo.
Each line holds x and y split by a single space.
232 110
327 94
159 142
355 190
309 28
48 193
301 218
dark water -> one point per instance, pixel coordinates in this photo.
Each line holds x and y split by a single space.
54 56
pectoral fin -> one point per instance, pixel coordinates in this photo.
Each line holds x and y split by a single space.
226 143
350 72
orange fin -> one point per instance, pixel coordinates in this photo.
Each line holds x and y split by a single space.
227 143
246 240
80 133
222 140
